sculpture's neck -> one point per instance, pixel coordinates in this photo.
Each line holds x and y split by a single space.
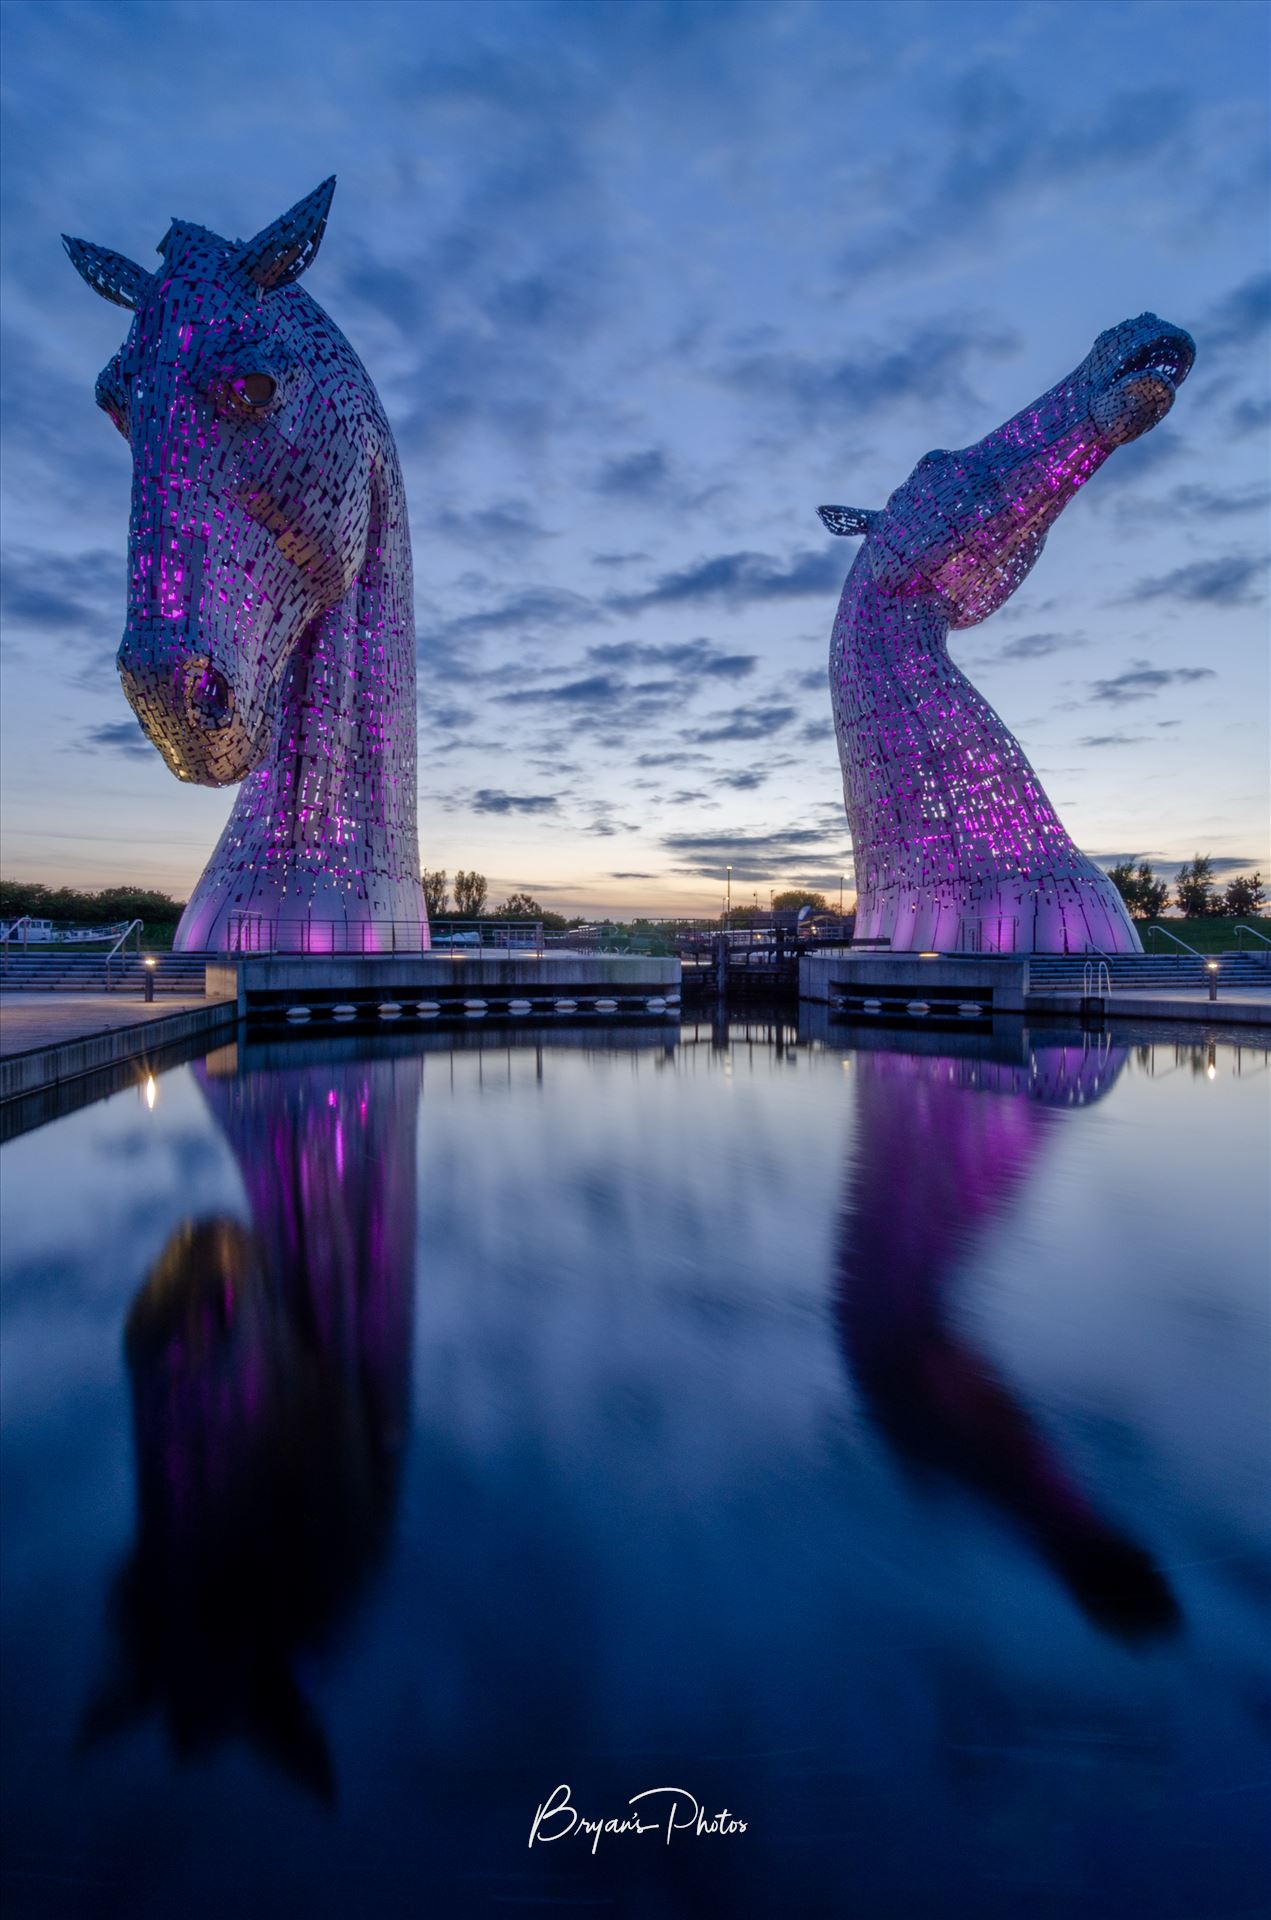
933 780
325 829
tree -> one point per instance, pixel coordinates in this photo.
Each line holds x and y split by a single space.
436 899
1144 895
68 903
1194 887
520 906
795 897
470 894
1245 894
1153 894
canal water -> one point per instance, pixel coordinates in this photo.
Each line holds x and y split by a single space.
844 1455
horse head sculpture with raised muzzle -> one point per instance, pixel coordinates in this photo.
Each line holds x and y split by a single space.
270 631
956 845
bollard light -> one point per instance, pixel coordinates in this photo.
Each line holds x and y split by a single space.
1213 979
150 965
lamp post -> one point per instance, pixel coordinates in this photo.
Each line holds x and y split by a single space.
1213 979
841 879
150 967
728 898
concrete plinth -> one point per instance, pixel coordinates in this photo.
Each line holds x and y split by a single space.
265 985
997 983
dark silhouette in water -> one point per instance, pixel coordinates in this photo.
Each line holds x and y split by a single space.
943 1145
270 1375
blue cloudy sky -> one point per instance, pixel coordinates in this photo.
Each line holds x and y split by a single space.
641 283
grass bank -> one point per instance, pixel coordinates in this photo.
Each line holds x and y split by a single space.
1211 935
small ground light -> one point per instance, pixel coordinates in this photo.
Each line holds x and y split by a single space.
1213 979
151 964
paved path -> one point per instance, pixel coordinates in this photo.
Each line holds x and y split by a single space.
30 1020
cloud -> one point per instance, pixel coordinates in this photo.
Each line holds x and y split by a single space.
632 875
1250 416
672 759
744 782
736 578
990 145
77 596
120 736
533 610
689 657
1036 646
1196 501
1112 740
1227 581
1144 682
493 800
930 366
758 856
1241 316
634 476
501 523
748 723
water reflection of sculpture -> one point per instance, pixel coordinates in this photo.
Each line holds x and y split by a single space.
956 845
270 1370
270 636
943 1146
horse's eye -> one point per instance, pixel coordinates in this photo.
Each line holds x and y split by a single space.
257 389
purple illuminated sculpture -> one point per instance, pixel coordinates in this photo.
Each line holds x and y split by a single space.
270 635
957 847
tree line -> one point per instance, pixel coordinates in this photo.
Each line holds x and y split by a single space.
472 897
1197 894
19 897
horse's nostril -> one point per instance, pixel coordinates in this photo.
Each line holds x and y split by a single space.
210 697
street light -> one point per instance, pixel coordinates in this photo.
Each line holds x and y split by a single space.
728 904
151 964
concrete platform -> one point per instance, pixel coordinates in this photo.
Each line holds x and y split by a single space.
265 986
46 1039
978 986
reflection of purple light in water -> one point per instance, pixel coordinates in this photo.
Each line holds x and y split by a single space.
943 1148
270 1379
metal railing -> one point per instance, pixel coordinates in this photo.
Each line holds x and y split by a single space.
1167 935
1242 926
1095 979
131 932
6 935
249 933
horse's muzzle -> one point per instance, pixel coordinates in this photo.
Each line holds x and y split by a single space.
189 711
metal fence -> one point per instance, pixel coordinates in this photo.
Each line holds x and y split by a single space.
261 933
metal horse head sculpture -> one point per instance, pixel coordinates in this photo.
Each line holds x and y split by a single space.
270 633
956 845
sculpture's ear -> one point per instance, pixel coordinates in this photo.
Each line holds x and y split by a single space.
107 273
847 519
281 252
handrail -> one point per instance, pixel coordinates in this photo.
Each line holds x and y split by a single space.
7 934
1242 926
1165 932
250 932
1095 983
134 926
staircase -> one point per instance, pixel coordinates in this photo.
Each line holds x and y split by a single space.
1065 972
69 972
